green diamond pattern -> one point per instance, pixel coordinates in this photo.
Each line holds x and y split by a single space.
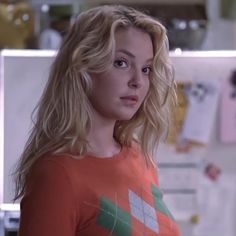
114 218
159 203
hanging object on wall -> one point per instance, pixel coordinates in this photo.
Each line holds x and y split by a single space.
179 113
203 100
175 137
228 110
228 9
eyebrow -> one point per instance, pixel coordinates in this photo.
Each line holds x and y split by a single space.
131 55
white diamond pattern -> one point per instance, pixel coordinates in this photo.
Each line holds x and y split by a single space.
144 212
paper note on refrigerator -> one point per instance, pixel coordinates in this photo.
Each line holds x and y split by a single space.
228 110
203 100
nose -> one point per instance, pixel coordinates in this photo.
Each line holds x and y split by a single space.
135 81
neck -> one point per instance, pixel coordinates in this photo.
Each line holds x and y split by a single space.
100 138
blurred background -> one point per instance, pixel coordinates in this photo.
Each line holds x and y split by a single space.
197 164
193 25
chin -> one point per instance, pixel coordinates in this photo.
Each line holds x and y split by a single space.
126 117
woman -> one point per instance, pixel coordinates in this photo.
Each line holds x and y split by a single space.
87 167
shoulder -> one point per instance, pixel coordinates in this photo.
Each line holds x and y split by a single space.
50 163
150 169
53 170
137 151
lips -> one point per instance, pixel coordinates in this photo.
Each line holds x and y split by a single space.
130 101
132 98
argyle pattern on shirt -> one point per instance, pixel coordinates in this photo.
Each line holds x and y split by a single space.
142 214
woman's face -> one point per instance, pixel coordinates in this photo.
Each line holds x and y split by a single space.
118 93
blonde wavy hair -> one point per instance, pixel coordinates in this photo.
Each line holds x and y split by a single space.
63 113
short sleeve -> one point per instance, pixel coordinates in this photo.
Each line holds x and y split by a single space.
48 207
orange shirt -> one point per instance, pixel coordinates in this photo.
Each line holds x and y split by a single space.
95 197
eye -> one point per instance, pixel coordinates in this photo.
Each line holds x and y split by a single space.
147 70
120 63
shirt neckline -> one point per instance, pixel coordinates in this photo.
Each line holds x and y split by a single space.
116 157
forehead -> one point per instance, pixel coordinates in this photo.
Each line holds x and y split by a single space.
134 40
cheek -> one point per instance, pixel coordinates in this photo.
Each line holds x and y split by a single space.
146 88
